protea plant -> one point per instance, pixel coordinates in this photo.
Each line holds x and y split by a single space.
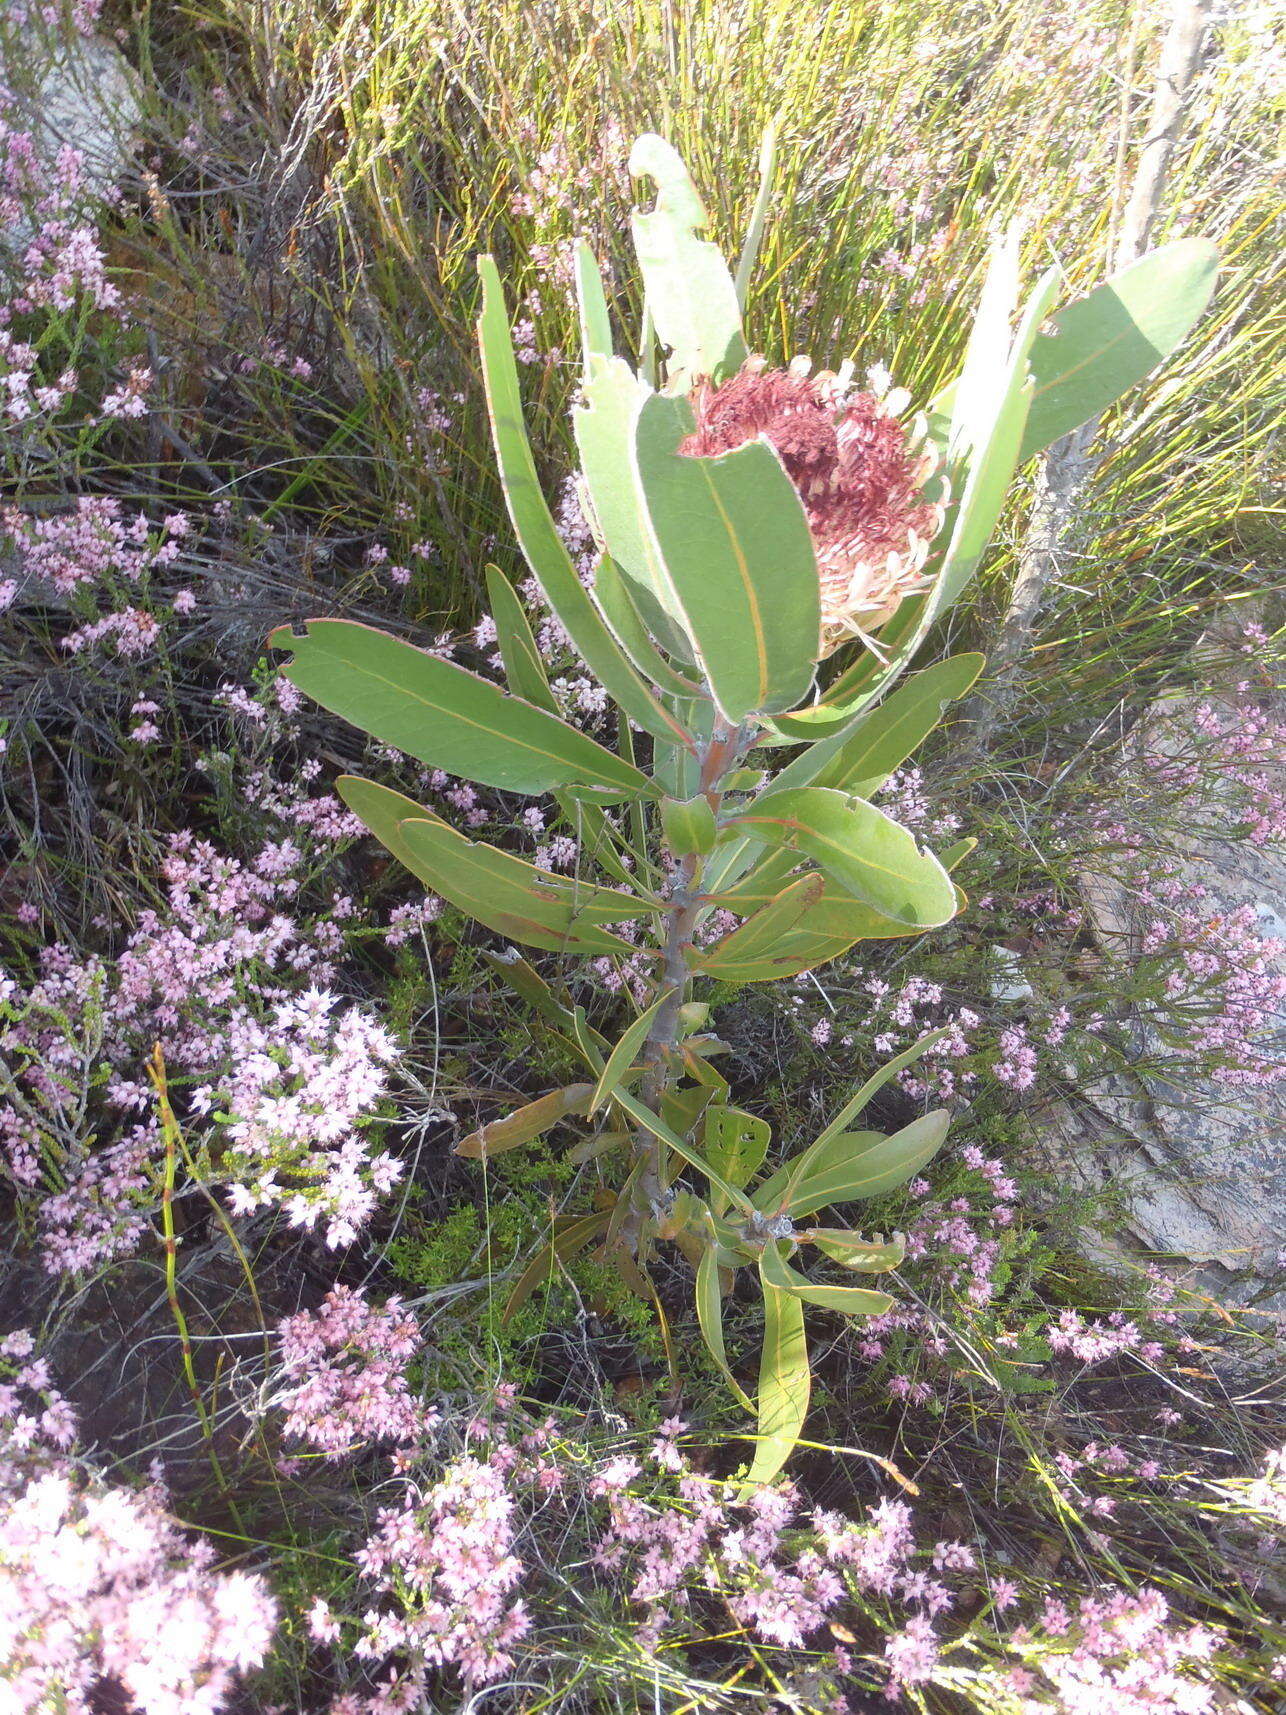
751 522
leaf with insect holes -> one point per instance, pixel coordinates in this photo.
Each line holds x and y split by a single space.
734 1143
691 295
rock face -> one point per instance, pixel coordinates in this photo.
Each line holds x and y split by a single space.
1198 1167
78 91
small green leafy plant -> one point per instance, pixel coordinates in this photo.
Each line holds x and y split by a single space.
751 523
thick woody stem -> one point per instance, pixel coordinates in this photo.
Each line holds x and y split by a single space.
720 756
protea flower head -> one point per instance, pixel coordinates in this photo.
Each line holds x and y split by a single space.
858 470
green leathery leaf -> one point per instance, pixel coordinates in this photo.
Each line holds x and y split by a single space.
710 1318
830 927
869 854
774 1189
876 1082
524 669
737 560
688 824
1105 343
851 1250
785 1383
444 716
622 1055
604 421
591 303
757 951
531 1120
850 1166
887 735
951 857
513 897
982 379
618 604
691 295
848 1300
383 811
542 546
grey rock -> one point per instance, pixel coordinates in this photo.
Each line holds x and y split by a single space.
77 90
1196 1167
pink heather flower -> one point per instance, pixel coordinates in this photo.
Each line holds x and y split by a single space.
857 470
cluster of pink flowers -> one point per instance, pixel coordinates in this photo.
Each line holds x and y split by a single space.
218 979
298 1087
446 1554
345 1374
100 1583
1113 1654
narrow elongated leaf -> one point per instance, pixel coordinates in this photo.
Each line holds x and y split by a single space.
622 1056
774 1191
736 559
1114 337
785 1382
872 1169
595 323
524 669
759 214
877 1081
848 1300
572 1234
691 297
531 1120
513 897
533 523
851 1250
619 608
444 716
866 852
755 952
710 1317
980 391
886 736
681 1147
